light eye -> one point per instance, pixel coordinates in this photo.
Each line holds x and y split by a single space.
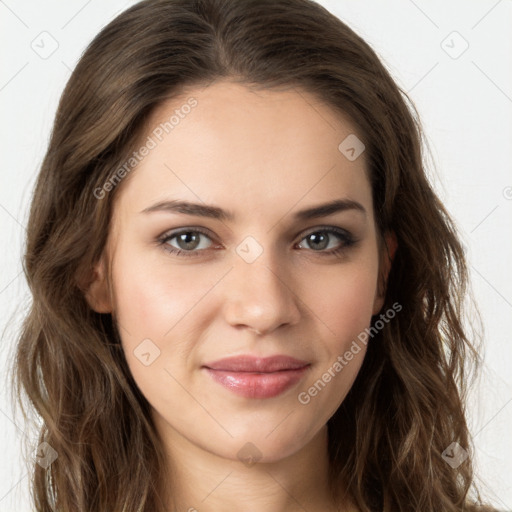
322 238
191 241
187 241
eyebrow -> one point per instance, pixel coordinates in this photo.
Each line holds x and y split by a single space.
214 212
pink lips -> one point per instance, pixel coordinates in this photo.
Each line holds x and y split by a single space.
255 377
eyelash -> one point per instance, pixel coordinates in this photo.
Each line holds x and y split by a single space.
346 238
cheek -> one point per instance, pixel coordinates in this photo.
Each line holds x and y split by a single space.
162 303
150 303
344 300
149 300
345 307
350 306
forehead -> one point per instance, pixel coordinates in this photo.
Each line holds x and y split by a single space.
260 150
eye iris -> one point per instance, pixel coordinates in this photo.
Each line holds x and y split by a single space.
188 238
316 238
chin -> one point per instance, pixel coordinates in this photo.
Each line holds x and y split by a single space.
265 445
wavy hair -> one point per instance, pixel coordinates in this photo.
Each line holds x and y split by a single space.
407 404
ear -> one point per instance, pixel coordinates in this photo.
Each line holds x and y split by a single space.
386 259
96 289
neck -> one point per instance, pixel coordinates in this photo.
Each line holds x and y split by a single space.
203 481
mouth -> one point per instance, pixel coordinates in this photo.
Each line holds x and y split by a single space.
254 377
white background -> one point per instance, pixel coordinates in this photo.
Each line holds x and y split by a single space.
466 107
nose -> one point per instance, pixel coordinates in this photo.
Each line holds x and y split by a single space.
259 297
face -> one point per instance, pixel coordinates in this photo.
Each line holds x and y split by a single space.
254 272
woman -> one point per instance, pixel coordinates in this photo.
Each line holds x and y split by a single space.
190 345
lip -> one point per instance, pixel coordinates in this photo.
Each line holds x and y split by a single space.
256 377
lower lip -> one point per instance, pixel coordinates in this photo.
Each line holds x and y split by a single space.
258 385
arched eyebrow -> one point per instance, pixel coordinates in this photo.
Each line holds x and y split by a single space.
215 212
326 209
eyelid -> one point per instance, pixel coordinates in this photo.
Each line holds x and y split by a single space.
344 235
164 237
332 229
178 231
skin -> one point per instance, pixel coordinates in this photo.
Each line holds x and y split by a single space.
263 156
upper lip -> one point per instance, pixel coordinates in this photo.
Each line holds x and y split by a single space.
247 363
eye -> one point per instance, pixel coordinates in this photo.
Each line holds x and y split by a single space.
191 241
188 242
321 239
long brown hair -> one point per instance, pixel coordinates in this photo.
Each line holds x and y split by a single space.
407 404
